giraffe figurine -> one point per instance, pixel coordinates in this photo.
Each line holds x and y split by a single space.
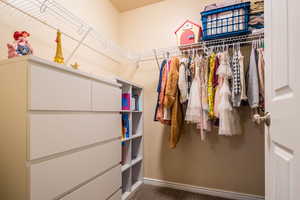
59 54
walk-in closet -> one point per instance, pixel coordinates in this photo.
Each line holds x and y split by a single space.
149 100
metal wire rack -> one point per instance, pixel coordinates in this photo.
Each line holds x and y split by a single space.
55 16
161 53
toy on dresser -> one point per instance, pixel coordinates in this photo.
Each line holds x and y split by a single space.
21 46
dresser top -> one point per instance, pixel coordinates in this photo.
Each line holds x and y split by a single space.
34 59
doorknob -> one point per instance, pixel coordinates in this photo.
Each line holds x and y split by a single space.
266 118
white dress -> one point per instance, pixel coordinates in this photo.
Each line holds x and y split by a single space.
194 107
229 121
182 81
195 112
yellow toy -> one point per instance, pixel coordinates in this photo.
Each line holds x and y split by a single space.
59 54
75 65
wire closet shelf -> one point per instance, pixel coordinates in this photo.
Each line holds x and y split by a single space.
161 53
55 16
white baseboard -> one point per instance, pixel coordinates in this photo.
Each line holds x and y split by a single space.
202 190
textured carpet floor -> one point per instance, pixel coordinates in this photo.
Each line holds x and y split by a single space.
148 192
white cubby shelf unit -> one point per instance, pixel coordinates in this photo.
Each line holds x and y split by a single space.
132 138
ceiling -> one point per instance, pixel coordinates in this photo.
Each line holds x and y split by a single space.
125 5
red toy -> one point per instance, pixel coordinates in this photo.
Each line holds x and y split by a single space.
188 33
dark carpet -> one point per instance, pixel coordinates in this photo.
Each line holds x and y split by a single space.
148 192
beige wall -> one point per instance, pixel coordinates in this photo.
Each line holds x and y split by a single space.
99 13
233 163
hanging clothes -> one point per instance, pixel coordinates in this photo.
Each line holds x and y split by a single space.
217 90
215 78
228 118
253 82
189 73
204 72
229 124
161 108
172 102
236 80
158 90
167 111
261 77
210 88
206 123
218 86
183 80
195 110
243 79
223 71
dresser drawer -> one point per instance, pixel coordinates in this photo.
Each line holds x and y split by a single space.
52 133
52 89
100 188
52 178
105 97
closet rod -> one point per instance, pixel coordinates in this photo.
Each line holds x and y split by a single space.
177 50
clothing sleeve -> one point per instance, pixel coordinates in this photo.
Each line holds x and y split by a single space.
252 82
160 76
172 83
182 84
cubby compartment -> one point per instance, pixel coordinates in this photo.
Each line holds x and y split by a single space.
126 125
126 154
137 123
136 152
126 96
137 173
126 181
136 99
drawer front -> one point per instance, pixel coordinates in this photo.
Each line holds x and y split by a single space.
105 97
101 188
52 89
116 196
53 178
52 133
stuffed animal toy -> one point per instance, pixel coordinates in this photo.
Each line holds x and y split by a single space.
21 46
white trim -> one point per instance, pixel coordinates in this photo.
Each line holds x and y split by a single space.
202 190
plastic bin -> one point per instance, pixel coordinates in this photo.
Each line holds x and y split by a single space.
225 22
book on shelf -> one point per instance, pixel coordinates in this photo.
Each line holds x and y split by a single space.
125 125
125 101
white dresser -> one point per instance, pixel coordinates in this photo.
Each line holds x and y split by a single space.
60 133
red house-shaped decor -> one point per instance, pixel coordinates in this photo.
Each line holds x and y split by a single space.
188 33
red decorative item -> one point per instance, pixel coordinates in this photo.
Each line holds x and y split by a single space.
188 33
21 45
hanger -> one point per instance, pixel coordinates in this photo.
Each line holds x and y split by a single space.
194 53
168 55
